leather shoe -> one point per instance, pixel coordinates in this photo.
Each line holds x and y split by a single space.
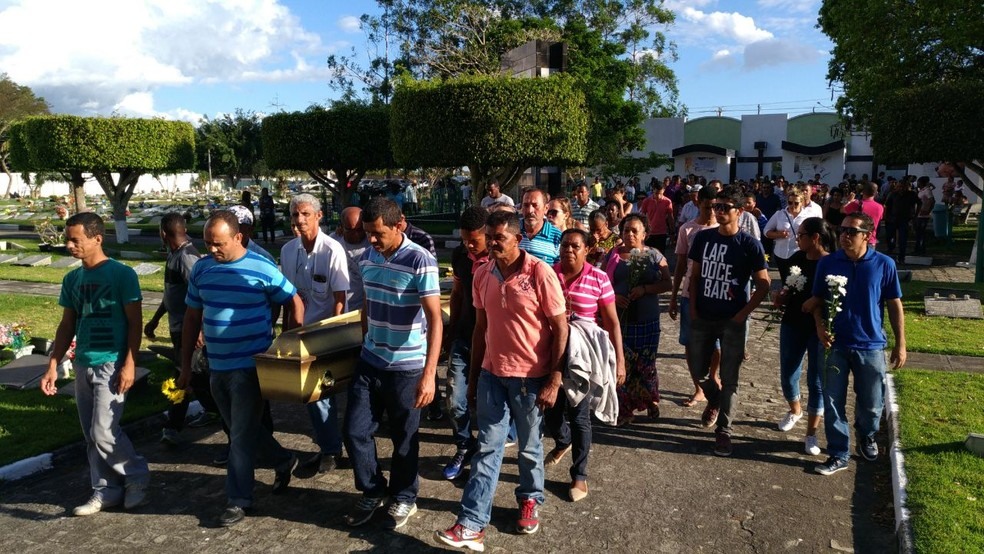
231 516
578 492
281 479
321 463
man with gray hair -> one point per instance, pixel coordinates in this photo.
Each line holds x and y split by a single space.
316 264
245 217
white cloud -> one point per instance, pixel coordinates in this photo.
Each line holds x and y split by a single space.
141 104
791 6
721 60
94 57
733 26
349 24
777 52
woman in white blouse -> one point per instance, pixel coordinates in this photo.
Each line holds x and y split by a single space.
782 227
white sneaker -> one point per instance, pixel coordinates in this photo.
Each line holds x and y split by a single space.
789 421
812 448
93 506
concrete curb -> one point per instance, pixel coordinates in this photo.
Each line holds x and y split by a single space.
903 523
43 462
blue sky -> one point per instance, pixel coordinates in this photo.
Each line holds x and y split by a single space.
183 59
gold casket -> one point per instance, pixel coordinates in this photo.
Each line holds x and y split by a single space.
304 363
318 359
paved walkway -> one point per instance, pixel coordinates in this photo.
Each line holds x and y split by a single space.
654 486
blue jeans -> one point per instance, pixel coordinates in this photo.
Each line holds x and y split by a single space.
459 364
324 420
500 398
731 335
793 344
372 391
868 367
459 367
237 395
113 462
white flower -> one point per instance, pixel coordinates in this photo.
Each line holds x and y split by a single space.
795 270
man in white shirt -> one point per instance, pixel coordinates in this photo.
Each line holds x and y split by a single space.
495 195
317 266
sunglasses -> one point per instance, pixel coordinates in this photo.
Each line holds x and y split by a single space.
852 231
552 213
721 207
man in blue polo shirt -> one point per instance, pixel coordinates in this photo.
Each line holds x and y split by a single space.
540 237
401 319
229 299
858 340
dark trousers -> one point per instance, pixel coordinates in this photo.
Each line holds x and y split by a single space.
371 392
577 433
704 334
267 226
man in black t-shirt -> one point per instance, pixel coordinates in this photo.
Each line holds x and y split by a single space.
465 259
725 258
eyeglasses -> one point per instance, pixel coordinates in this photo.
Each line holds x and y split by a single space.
552 213
722 207
803 234
852 231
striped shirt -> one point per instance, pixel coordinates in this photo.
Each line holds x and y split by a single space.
235 299
397 332
587 292
582 213
545 244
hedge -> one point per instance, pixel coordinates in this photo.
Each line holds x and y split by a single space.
348 135
66 142
489 121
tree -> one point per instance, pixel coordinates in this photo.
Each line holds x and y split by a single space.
346 140
102 147
449 38
230 145
497 126
16 102
916 83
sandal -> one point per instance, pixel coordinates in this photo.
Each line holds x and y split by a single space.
693 401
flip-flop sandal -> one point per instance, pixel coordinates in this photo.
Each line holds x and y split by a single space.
691 402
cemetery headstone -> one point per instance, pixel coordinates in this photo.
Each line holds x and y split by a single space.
66 263
146 269
37 260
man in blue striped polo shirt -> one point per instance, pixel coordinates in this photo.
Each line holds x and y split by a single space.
540 237
229 298
401 320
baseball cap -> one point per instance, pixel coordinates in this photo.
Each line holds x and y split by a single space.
242 213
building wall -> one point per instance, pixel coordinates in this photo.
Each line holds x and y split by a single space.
719 131
813 129
769 128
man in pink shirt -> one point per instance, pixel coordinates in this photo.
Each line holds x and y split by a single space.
517 357
868 205
659 210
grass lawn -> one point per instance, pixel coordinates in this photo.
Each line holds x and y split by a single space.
23 412
938 335
946 482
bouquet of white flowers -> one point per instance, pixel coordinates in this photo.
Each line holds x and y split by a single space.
795 282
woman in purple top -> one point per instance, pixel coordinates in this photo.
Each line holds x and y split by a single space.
588 293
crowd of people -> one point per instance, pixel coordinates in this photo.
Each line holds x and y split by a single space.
555 314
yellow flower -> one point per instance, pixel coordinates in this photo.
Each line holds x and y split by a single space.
170 389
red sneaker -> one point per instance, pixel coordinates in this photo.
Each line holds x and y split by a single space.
460 536
528 521
709 417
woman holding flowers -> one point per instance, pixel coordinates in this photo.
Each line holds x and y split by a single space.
797 332
638 274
